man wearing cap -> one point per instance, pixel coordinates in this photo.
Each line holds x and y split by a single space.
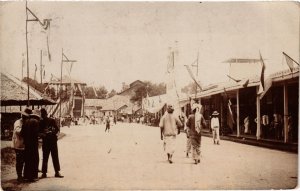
49 131
169 125
195 124
215 126
30 133
18 142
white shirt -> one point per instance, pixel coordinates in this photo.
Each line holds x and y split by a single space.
214 122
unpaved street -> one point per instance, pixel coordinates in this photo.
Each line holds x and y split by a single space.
131 157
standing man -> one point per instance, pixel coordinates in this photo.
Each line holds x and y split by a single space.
195 124
215 127
107 123
169 126
18 142
30 133
49 131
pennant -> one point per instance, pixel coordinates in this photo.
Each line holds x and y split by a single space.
229 106
262 75
193 77
289 61
48 50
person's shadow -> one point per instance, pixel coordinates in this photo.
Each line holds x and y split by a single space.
14 185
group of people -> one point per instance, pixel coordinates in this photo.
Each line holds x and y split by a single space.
170 126
33 125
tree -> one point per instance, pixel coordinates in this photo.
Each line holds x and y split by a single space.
190 88
112 93
34 84
101 92
150 88
89 93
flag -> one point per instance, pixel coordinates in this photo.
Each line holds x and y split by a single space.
48 50
262 76
35 71
192 76
44 74
289 61
229 106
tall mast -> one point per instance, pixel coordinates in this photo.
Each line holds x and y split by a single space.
27 57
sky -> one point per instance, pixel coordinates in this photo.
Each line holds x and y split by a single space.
115 42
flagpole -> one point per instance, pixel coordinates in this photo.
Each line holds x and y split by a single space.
27 62
41 67
60 88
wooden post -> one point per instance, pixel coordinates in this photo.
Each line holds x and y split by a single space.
285 114
27 57
237 113
258 124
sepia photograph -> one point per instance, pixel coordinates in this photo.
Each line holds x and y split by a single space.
149 95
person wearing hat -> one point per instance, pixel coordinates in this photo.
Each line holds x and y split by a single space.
30 133
49 131
195 124
169 125
18 142
215 126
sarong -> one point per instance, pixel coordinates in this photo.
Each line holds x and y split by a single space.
196 145
169 144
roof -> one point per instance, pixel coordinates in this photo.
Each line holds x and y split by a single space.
94 102
115 102
65 80
132 86
15 92
228 86
242 60
285 74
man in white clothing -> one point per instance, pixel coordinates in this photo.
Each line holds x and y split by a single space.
215 126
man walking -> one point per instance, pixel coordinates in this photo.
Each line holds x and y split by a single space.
107 124
195 124
49 131
18 142
169 126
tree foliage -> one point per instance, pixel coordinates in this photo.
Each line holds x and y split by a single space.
40 87
101 92
190 88
112 93
151 88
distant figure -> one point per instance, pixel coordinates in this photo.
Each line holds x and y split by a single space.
18 142
49 131
169 125
246 125
115 120
195 124
107 124
30 133
215 126
277 120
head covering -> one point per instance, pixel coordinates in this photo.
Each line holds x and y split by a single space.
170 108
36 113
215 113
26 112
43 112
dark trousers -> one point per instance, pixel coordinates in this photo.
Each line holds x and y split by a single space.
19 162
50 146
107 128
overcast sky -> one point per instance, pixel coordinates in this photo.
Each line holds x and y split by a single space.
115 42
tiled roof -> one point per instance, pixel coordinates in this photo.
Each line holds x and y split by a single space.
14 92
